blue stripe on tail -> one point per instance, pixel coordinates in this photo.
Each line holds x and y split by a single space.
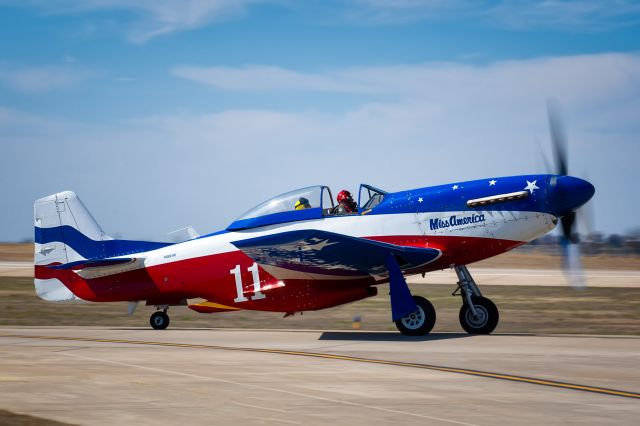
90 249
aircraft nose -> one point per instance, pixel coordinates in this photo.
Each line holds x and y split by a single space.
568 193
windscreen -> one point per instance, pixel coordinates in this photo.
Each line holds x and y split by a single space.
291 201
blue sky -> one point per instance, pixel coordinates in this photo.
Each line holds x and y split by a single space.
162 114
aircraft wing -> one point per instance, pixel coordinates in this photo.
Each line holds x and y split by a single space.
327 253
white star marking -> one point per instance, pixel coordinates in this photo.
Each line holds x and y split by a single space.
455 187
319 245
531 186
492 182
420 200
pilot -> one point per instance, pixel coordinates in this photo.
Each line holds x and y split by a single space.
346 204
302 204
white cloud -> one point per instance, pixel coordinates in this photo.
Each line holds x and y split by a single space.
34 79
267 78
575 79
402 11
151 18
573 15
161 17
564 15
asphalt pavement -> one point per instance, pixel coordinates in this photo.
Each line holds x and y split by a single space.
108 376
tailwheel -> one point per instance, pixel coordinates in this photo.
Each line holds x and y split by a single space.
159 320
420 322
484 320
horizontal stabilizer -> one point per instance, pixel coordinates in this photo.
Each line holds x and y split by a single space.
99 263
321 252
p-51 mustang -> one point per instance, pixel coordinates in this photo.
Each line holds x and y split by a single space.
279 258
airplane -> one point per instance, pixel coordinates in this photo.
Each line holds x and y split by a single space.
278 258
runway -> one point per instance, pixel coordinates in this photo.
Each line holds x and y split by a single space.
16 269
88 375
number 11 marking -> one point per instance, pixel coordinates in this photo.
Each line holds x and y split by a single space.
257 295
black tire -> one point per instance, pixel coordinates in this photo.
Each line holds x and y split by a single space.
487 320
420 322
159 320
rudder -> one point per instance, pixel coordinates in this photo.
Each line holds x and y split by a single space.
64 231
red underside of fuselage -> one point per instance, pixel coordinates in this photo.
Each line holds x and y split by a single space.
209 277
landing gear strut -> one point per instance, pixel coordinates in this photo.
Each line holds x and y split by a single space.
478 315
160 320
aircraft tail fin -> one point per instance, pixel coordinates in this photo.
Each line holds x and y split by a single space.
64 230
63 227
66 233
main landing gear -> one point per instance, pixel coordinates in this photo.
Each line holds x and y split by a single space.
160 319
478 315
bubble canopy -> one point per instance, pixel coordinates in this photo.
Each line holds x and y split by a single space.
300 204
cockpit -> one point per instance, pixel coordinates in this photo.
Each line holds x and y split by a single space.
312 202
369 197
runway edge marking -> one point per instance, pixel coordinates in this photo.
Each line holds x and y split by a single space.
476 373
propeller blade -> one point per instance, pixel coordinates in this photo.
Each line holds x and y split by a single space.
567 223
586 217
573 265
558 136
543 158
569 240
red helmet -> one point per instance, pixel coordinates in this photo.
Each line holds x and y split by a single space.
344 195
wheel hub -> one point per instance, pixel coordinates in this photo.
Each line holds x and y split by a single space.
414 320
480 319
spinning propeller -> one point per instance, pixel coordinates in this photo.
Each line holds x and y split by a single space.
569 238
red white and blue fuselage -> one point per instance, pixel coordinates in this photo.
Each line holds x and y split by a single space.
279 259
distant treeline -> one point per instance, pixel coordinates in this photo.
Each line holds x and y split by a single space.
592 244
